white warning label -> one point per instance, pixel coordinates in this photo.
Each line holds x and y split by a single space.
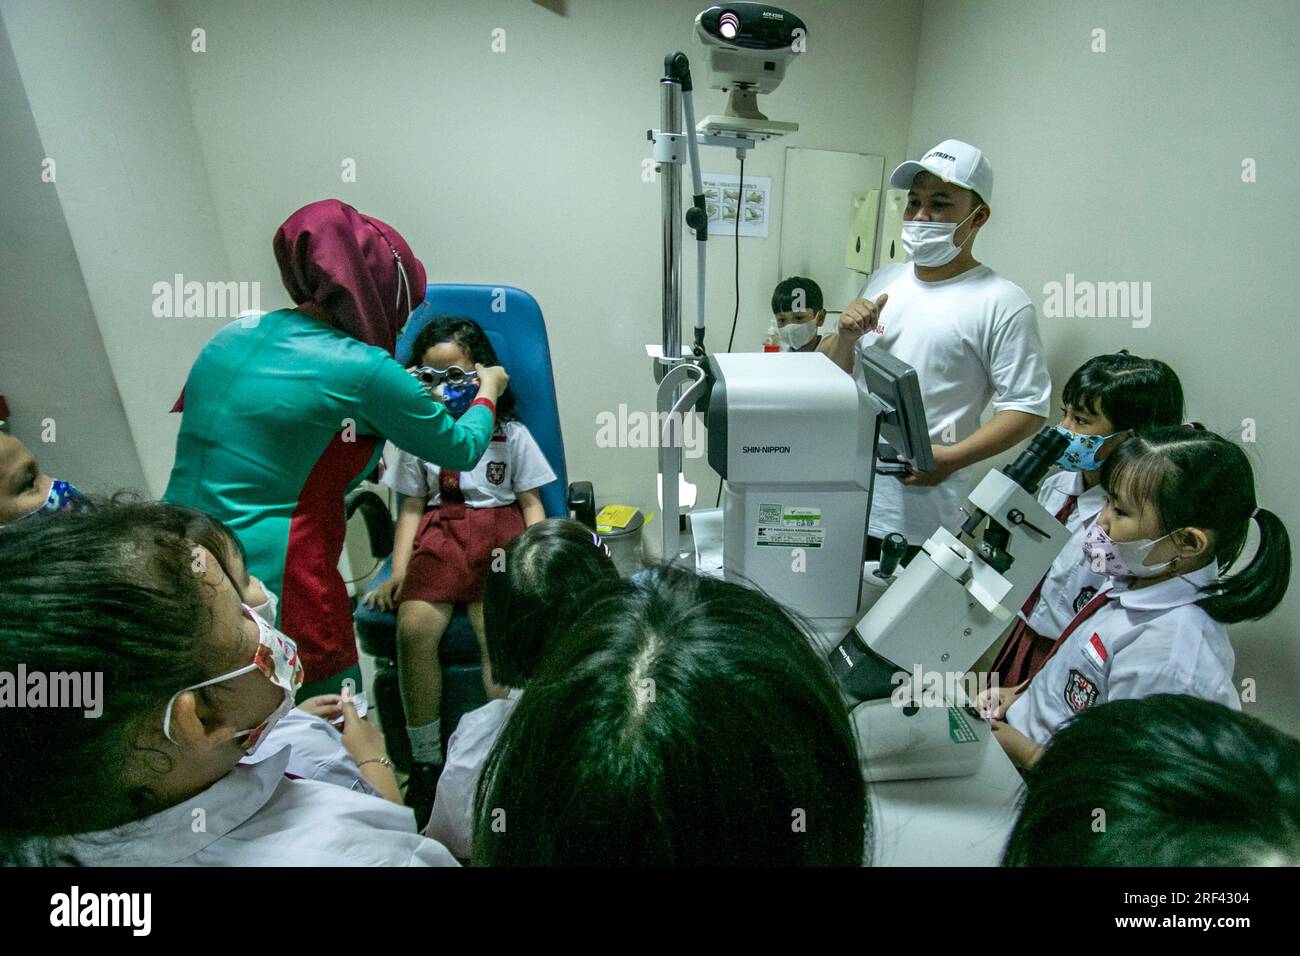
780 526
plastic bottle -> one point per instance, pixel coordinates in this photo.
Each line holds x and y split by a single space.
772 341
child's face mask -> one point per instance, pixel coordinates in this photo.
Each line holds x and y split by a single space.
795 335
1081 453
454 386
63 496
277 658
458 398
266 610
1121 559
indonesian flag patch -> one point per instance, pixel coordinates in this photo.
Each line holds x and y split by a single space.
1080 691
1096 650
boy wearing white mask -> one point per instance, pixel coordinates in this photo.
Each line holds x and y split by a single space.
797 309
971 335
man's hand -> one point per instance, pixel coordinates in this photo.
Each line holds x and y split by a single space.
858 317
945 463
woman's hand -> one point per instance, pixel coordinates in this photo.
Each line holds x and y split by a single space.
384 597
325 706
492 381
361 739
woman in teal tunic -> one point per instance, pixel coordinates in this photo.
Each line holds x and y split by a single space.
284 413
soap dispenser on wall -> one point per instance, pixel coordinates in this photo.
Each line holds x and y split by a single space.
891 236
860 245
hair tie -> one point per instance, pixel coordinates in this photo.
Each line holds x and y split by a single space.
1255 514
595 539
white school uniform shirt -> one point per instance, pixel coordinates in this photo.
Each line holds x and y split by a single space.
256 816
452 822
1070 582
971 338
316 751
1154 640
513 462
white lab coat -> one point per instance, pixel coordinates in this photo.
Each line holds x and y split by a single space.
1070 582
1154 640
256 816
452 822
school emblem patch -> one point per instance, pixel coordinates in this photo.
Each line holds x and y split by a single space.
496 472
1085 595
1080 692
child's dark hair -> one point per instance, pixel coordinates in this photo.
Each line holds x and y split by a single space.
1194 478
546 573
1127 389
789 290
111 592
469 337
212 534
680 720
1182 782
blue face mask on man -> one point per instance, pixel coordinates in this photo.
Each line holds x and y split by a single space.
1081 453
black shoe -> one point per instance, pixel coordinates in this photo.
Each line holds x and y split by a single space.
420 790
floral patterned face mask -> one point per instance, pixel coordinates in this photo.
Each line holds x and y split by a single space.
277 658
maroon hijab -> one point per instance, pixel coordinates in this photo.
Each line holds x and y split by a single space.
344 267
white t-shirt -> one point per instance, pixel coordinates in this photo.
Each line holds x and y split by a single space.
971 338
1070 582
512 463
452 822
1154 640
256 816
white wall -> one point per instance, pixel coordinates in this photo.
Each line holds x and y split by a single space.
62 397
1127 165
107 93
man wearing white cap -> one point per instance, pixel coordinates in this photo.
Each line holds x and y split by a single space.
971 335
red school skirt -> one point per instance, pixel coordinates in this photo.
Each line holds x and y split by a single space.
451 555
1022 655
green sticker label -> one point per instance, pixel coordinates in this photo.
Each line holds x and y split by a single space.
959 728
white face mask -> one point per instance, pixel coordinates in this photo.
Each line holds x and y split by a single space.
795 335
1121 559
930 243
267 609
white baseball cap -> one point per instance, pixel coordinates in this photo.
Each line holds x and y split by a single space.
954 162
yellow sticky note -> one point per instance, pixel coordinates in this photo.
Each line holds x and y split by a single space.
614 516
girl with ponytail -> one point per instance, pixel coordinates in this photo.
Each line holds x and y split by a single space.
1179 504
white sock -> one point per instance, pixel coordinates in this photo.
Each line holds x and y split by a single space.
426 742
